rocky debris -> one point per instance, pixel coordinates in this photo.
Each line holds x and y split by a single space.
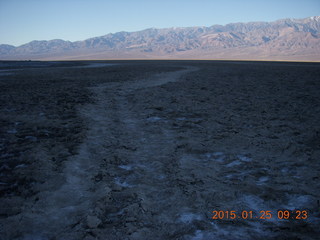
93 221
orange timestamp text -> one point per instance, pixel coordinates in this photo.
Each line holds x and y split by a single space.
263 214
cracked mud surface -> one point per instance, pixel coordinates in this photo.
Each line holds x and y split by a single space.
148 149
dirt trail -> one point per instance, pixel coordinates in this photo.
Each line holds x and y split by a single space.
140 160
119 168
142 166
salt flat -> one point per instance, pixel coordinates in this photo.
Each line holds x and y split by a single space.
149 149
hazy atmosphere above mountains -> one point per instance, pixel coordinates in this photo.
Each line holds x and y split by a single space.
253 30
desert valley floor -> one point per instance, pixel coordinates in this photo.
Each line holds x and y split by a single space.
151 149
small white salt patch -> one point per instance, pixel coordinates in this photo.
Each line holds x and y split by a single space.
262 180
254 202
220 159
198 235
244 158
5 74
234 163
216 156
121 183
6 155
189 217
230 176
235 177
31 138
161 177
125 167
21 166
299 202
153 119
181 119
33 237
12 131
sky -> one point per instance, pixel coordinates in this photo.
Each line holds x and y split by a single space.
22 21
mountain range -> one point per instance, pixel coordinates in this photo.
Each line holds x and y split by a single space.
285 39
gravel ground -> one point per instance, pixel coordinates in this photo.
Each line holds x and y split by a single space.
151 149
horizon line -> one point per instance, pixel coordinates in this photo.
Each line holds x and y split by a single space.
161 59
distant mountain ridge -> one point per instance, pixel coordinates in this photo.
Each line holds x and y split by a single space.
285 39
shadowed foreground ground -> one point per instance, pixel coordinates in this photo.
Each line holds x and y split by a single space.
149 149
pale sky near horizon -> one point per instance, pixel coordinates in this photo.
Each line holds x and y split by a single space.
22 21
